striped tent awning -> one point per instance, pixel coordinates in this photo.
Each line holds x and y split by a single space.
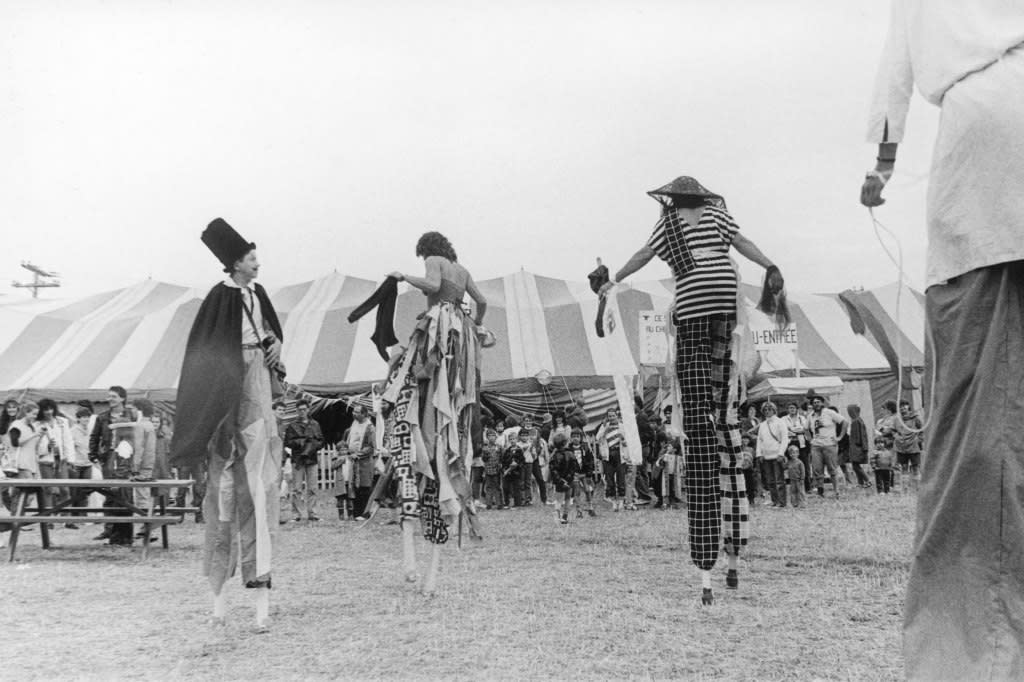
135 337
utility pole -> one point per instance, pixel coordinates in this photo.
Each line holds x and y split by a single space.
41 279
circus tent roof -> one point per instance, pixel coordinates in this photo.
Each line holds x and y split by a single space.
136 336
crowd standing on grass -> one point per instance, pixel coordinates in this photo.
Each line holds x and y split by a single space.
556 464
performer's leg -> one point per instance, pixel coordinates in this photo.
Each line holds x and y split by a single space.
735 505
964 614
703 490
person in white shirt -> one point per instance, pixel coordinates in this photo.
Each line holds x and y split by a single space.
827 427
965 594
770 450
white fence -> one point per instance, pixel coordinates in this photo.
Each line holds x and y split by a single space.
326 477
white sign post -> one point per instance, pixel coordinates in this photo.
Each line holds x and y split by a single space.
773 337
653 340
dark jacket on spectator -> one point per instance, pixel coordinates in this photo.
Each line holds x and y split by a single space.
563 468
304 440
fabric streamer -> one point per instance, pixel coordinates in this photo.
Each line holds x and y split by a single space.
383 299
598 278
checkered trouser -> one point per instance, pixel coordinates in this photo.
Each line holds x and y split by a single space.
715 490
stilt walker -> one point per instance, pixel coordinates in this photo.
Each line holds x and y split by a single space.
433 394
225 417
693 236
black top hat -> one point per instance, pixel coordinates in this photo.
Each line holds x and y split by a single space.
225 243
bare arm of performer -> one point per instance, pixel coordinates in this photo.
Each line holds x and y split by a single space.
430 283
871 190
639 259
749 250
478 298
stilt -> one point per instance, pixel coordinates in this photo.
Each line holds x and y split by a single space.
220 608
262 609
409 550
707 597
430 581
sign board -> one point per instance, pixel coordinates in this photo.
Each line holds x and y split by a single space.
653 340
773 337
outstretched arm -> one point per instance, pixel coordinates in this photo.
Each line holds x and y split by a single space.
430 283
749 250
639 259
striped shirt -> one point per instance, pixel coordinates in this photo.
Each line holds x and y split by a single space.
699 258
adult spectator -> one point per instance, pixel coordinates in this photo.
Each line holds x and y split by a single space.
772 441
112 445
886 424
163 431
304 438
9 415
79 466
907 439
826 428
55 445
23 437
560 427
285 498
357 443
144 459
860 446
750 423
796 428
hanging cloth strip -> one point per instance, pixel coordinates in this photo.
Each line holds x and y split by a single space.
598 278
383 299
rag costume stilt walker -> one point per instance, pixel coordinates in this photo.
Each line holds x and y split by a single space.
225 417
964 612
433 390
693 236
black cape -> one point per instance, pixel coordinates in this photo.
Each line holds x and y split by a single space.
212 371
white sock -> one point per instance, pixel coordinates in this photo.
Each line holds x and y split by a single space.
705 579
734 562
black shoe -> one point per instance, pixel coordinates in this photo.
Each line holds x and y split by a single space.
821 492
732 580
314 517
591 512
71 526
707 597
105 535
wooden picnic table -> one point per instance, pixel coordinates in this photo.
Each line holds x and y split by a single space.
158 514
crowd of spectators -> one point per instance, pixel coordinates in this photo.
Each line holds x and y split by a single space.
124 441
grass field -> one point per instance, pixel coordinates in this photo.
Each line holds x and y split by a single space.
821 597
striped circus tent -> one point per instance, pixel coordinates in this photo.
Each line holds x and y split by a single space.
136 336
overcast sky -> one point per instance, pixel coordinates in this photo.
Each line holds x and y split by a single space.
334 133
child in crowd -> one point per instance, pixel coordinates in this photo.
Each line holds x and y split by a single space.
585 468
883 459
492 469
795 469
563 474
513 463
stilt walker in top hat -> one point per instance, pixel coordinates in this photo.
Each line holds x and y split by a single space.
693 236
225 416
